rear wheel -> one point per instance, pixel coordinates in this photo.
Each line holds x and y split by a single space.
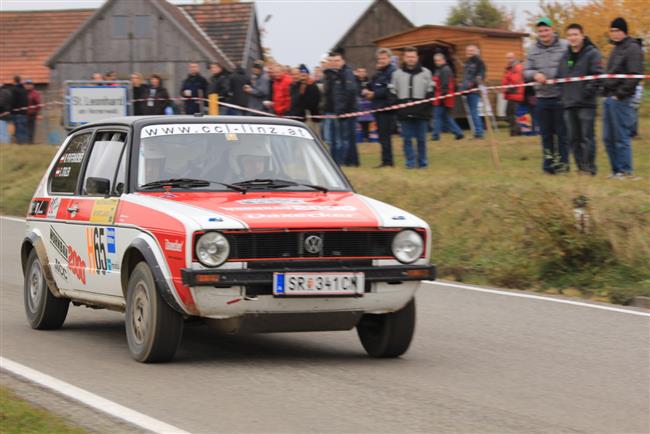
153 328
44 310
390 334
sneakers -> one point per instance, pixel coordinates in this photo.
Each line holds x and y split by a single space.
619 176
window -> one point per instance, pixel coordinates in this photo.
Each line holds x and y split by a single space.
105 156
143 26
120 26
120 179
66 170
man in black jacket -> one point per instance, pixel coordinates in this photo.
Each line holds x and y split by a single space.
194 86
474 71
20 101
340 93
379 94
220 84
618 113
579 98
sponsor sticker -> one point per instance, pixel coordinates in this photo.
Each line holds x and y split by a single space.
76 265
230 130
75 157
268 200
59 245
54 208
62 172
39 207
104 211
173 245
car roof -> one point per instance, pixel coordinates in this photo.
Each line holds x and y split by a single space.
140 121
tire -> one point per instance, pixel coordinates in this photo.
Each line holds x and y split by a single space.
153 328
44 310
388 335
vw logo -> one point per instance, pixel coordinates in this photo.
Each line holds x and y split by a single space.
313 244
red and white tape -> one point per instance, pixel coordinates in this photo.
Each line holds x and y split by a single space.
366 112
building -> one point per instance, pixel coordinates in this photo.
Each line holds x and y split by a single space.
379 19
452 40
154 36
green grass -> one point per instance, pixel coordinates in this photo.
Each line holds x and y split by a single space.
510 227
18 416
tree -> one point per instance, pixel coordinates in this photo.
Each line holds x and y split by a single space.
479 13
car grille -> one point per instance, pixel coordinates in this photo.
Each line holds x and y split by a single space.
250 246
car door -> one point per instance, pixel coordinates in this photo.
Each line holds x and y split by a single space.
61 246
92 212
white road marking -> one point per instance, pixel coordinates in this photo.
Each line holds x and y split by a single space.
13 219
539 297
90 399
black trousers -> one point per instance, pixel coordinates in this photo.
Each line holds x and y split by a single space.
385 128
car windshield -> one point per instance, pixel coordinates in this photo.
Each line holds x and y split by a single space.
235 153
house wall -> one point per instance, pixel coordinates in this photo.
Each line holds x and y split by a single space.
359 44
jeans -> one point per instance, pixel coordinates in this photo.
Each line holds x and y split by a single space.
352 155
31 127
340 131
385 126
4 131
472 101
618 123
20 124
230 111
443 121
555 152
415 129
580 124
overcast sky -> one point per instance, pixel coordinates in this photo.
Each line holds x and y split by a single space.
301 31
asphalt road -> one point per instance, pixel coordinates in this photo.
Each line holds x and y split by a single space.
480 362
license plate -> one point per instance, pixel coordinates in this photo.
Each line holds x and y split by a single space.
288 284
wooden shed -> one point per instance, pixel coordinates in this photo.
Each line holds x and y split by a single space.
452 40
380 18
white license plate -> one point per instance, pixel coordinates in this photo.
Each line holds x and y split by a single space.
288 284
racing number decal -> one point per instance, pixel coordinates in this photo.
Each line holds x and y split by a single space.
101 242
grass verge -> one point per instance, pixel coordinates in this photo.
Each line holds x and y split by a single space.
18 416
513 227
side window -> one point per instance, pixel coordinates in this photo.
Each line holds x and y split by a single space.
104 157
66 171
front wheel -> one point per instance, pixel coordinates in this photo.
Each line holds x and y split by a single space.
44 310
390 334
153 328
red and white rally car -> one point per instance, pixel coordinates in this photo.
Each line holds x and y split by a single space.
243 221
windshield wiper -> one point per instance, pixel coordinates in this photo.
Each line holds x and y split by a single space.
277 183
188 183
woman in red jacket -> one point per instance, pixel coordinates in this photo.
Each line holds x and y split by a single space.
514 95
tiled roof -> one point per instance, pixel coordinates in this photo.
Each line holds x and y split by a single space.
227 24
28 38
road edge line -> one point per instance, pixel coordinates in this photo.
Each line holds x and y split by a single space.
90 399
538 297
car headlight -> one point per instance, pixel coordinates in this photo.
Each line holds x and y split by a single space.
407 246
212 249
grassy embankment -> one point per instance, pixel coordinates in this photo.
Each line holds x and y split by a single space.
512 227
18 416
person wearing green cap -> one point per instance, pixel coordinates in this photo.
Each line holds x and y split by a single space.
542 61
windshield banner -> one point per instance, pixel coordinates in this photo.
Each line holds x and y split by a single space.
223 128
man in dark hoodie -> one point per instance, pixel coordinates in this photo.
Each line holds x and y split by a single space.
379 94
194 86
579 98
542 61
340 92
220 84
618 113
474 71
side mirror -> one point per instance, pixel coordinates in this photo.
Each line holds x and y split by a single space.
98 186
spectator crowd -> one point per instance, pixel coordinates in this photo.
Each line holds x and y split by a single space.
563 114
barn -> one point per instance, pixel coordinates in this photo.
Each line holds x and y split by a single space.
379 19
452 40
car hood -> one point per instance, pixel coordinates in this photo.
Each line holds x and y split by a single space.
265 210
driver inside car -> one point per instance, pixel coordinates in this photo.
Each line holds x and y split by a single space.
253 161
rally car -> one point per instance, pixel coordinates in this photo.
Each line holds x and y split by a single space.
244 222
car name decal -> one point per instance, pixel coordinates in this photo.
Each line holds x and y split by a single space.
227 129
